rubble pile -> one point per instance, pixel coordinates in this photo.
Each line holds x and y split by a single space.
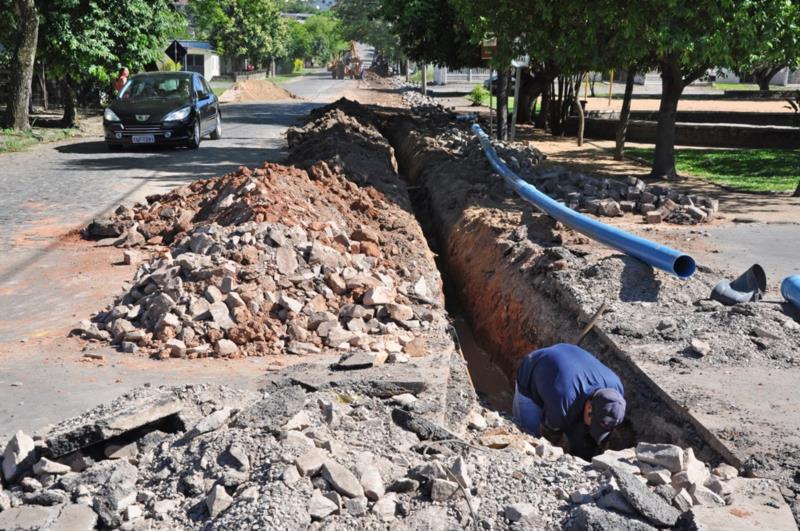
265 288
599 196
205 457
279 259
420 104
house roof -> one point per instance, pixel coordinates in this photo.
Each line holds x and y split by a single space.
200 45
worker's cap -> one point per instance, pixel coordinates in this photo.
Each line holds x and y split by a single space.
608 412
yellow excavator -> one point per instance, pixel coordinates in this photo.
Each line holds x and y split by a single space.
347 64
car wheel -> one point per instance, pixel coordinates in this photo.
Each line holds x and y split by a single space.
194 142
114 147
216 134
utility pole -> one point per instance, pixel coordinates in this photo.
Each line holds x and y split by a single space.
424 79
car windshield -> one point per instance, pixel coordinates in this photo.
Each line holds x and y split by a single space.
157 87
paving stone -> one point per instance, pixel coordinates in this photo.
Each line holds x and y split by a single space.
341 479
646 502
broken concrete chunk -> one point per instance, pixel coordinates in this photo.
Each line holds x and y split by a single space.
683 501
122 415
703 496
442 489
212 422
385 509
725 472
668 456
320 507
646 502
218 500
45 466
377 295
310 463
225 348
590 517
341 479
18 456
517 511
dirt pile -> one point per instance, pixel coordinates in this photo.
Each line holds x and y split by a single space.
255 90
279 260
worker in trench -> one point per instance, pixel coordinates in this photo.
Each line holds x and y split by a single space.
568 396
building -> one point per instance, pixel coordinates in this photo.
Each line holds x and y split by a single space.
201 58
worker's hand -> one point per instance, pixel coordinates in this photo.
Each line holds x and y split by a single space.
556 437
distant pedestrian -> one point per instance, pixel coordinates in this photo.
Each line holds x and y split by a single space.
122 78
563 391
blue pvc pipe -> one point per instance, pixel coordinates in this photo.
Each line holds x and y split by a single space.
660 256
790 289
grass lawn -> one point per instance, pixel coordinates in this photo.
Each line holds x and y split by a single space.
17 141
736 86
283 78
747 170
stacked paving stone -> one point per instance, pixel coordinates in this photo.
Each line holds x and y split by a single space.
264 288
206 457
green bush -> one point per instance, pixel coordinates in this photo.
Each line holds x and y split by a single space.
297 66
477 95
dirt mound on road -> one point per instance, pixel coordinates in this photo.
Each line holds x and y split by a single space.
255 90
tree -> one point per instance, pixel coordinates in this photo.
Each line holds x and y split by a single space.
242 29
362 21
89 40
689 39
325 38
432 31
775 43
26 23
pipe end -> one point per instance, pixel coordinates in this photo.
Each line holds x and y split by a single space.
684 266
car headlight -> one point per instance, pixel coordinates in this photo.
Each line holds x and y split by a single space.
176 116
110 116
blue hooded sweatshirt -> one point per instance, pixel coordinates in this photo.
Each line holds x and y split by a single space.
560 379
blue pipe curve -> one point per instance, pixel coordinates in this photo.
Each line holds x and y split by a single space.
660 256
790 289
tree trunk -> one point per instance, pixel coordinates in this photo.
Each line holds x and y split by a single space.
624 115
69 118
797 190
544 112
763 81
581 118
424 79
19 85
672 87
502 104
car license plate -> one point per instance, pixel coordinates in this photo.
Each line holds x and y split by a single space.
143 139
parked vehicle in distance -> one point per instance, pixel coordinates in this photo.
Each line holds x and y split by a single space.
177 108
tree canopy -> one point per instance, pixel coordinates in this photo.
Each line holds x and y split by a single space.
362 20
242 29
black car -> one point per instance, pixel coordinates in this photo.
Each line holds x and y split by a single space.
176 108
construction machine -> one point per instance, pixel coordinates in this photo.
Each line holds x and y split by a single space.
348 64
